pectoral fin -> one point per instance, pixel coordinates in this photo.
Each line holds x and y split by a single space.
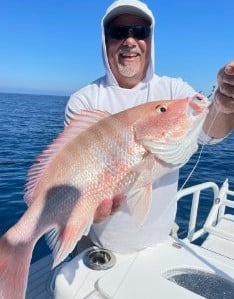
139 202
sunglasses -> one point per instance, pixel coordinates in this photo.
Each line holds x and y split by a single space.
123 32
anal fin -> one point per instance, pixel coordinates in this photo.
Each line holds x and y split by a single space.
63 241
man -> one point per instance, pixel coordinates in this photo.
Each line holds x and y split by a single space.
128 53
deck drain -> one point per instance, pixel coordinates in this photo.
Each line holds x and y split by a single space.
99 259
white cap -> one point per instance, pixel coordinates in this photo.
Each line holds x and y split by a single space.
133 7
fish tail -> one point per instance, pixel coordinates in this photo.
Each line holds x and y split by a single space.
14 268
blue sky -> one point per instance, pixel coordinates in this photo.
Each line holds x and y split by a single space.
54 47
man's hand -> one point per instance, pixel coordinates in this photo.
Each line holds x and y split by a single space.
108 207
224 95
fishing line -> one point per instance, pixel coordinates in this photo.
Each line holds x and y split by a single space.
125 274
15 162
199 157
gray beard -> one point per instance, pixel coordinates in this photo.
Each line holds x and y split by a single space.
128 71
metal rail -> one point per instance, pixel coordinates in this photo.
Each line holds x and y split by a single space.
217 212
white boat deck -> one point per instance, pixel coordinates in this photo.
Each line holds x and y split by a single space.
219 244
145 274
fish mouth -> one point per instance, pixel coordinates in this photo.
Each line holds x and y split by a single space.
198 106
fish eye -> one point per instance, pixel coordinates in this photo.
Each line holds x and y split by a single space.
161 108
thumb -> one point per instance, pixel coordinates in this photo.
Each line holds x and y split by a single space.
229 68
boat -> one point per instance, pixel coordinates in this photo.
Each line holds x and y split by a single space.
183 268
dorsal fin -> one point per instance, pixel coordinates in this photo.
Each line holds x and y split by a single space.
80 122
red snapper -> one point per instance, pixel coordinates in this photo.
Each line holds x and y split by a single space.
98 158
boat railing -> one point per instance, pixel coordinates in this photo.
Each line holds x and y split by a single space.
216 214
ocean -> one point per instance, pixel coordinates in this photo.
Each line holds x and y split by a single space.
29 122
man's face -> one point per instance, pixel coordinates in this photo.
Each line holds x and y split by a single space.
128 57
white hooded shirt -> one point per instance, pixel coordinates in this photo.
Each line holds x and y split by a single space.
121 232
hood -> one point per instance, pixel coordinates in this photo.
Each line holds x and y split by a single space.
132 7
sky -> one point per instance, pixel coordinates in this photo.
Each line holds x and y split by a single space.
54 47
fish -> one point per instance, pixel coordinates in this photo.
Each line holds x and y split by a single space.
99 158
